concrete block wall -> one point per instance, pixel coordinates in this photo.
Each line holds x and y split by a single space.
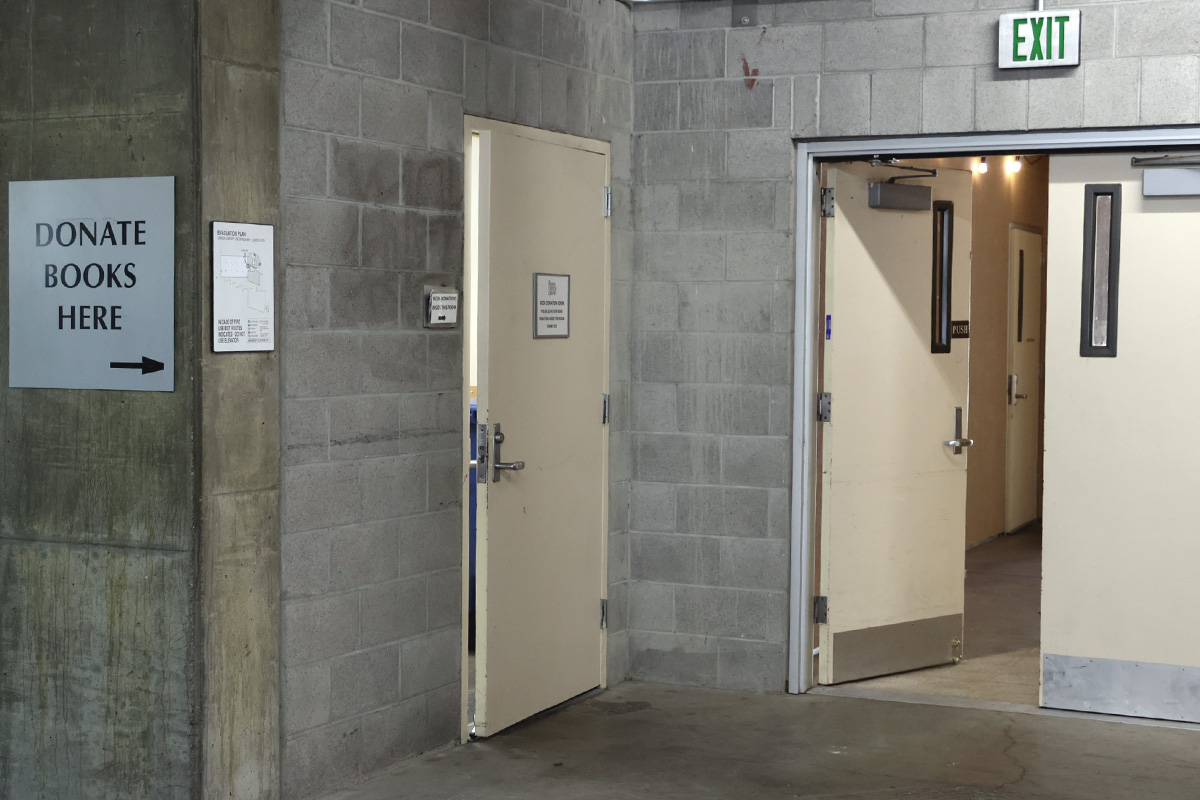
374 93
716 106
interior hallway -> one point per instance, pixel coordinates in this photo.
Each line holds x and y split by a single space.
648 741
1002 621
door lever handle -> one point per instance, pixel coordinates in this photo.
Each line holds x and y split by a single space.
497 464
958 442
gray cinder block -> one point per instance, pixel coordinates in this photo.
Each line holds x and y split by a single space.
517 24
874 44
394 239
361 555
364 681
393 487
468 17
360 298
755 461
320 232
429 662
322 363
395 112
676 55
779 50
432 59
320 496
319 628
305 563
433 180
393 611
366 43
305 697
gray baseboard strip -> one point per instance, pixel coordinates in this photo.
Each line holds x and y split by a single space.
1126 688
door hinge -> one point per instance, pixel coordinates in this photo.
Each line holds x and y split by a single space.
821 610
824 407
827 202
607 409
608 201
604 614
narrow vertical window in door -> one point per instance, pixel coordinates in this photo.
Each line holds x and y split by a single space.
943 273
1021 298
1101 260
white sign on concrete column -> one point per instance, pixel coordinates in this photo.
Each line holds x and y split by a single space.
91 284
1039 39
243 287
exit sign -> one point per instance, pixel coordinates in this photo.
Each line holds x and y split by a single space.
1039 39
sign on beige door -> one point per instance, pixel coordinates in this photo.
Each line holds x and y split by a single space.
541 237
893 495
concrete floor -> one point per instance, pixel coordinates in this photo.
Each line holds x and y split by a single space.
647 741
1001 638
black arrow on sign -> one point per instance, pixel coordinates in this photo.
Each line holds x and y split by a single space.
146 365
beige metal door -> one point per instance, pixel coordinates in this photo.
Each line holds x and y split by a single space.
1022 451
893 508
541 529
1120 594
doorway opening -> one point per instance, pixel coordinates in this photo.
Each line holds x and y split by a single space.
535 460
1122 206
931 290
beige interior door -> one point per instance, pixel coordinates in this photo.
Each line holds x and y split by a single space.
894 496
541 529
1120 597
1022 453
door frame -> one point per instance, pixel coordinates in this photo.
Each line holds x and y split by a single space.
805 347
471 125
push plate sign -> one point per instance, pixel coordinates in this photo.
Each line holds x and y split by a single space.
1039 39
91 284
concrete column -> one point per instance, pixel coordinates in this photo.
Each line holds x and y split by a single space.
239 413
139 531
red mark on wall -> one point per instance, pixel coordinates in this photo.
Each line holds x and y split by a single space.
751 74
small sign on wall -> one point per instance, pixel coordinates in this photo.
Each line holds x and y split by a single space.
960 329
243 287
1039 39
441 306
551 306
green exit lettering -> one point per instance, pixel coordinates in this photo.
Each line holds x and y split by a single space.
1043 34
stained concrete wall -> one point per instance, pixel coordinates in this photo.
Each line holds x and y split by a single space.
139 532
715 107
99 657
373 100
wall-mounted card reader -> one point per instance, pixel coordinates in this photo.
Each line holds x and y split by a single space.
441 306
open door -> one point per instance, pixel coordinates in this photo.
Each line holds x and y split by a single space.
541 235
893 505
1023 456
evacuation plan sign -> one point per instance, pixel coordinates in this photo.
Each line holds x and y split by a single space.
91 284
243 287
